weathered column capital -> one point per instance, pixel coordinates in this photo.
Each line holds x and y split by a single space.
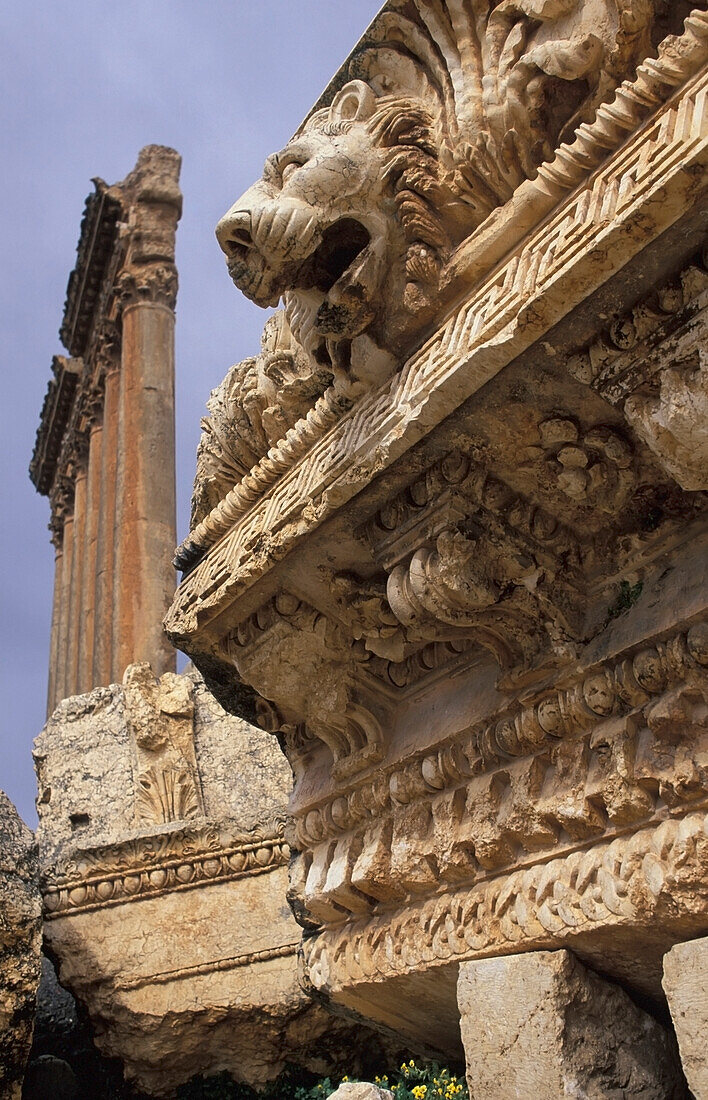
154 284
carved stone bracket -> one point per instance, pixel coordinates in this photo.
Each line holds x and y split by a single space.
316 678
489 567
160 716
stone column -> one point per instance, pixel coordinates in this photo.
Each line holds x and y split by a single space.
541 1025
77 561
146 526
686 987
86 679
65 615
56 627
105 538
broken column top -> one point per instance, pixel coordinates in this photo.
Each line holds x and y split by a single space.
113 238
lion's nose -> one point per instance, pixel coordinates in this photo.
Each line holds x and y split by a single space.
234 232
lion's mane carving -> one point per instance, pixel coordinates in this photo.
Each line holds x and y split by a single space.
453 105
260 399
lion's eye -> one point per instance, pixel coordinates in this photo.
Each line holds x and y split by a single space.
289 169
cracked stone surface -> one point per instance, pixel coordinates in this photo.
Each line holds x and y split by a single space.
540 1024
686 987
20 944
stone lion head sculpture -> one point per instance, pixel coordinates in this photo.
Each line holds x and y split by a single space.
451 108
344 222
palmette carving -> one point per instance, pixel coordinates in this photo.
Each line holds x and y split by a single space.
167 794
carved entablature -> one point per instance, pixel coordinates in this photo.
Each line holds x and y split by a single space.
462 586
125 253
149 866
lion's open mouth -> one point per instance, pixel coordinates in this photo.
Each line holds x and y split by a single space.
340 245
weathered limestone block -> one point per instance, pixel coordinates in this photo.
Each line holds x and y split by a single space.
165 878
674 422
540 1024
467 588
360 1090
20 946
686 987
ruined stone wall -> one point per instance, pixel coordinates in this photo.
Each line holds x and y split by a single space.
164 880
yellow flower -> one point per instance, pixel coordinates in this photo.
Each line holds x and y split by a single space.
420 1091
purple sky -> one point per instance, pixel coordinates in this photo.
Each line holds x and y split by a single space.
83 86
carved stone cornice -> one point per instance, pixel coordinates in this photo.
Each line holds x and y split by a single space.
679 58
494 324
148 866
610 691
96 247
56 413
640 881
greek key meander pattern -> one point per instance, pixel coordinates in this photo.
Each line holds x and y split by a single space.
615 688
111 885
598 217
655 81
217 966
634 880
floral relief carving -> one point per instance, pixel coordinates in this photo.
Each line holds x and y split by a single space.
160 716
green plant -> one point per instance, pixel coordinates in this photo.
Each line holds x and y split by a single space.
626 597
409 1082
426 1082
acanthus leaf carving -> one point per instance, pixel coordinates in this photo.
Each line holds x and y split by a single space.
154 283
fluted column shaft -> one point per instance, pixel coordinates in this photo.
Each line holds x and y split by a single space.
71 686
54 640
105 540
146 524
65 615
86 680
